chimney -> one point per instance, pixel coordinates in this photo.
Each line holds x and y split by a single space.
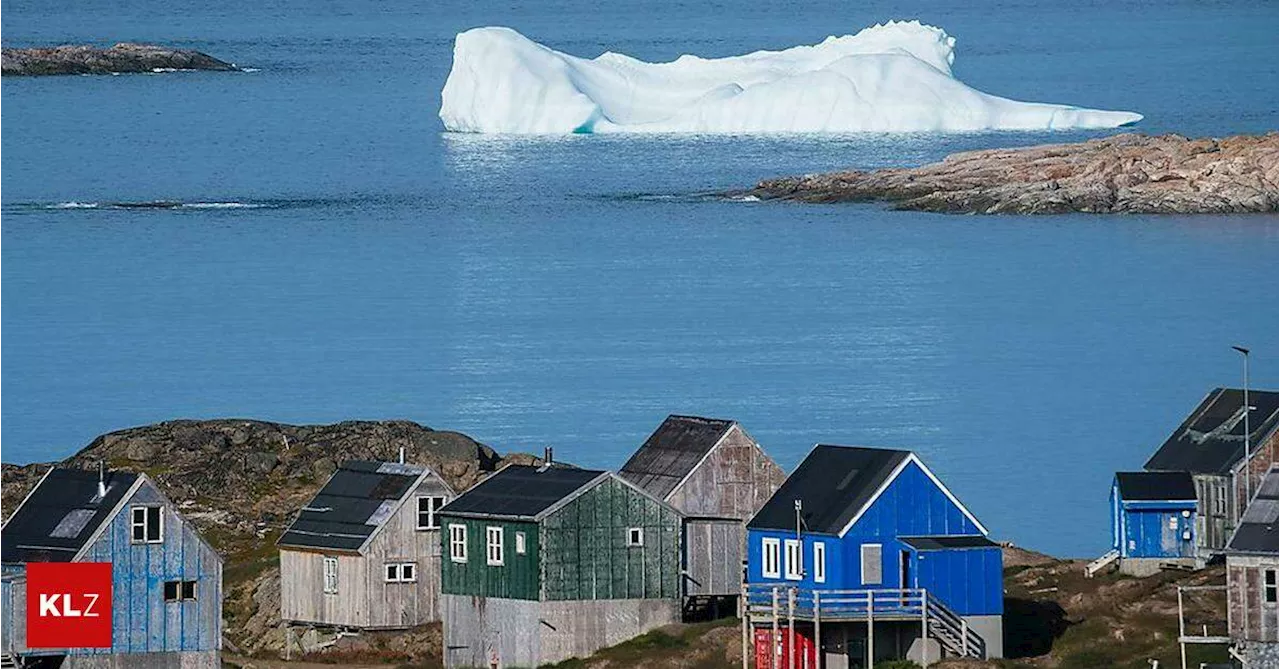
102 479
402 454
546 455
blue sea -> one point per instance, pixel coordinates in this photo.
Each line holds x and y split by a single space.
339 256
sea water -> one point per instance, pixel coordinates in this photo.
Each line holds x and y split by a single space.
327 252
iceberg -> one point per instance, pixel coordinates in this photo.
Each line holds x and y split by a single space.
894 77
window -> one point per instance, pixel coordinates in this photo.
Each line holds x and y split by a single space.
177 591
769 558
148 524
635 536
427 508
331 575
819 562
795 560
1269 585
520 543
493 546
400 572
458 543
872 569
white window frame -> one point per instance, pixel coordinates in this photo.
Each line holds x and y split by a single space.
494 555
520 543
819 562
770 557
330 575
391 572
793 559
635 536
457 542
863 562
434 502
1269 590
400 572
134 524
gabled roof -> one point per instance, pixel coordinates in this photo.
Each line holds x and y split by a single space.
833 484
60 514
352 505
1211 439
1257 532
673 451
522 491
1156 486
948 542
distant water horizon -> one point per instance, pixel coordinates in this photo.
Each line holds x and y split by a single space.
322 250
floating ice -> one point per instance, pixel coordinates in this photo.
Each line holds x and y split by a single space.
894 77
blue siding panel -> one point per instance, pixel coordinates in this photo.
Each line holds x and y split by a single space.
1152 529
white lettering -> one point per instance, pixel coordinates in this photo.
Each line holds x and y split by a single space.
66 608
88 610
49 605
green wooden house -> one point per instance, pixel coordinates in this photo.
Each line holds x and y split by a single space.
541 564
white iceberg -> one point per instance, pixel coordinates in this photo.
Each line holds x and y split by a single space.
894 77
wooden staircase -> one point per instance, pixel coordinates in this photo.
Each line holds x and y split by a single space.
1104 561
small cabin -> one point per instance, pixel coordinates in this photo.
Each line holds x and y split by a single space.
717 476
166 581
1153 521
364 553
1252 563
871 549
547 563
1210 445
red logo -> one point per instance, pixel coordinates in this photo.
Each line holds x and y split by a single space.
69 605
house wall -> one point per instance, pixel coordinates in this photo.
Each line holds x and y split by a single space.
835 577
585 553
713 553
969 580
517 578
734 480
1214 511
1156 530
1249 616
1264 454
364 598
142 621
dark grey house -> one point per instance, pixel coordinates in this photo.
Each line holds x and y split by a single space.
166 580
1251 578
715 474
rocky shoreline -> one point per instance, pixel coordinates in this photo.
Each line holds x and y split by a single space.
1122 174
120 59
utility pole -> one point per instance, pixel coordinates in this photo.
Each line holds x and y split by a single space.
1247 496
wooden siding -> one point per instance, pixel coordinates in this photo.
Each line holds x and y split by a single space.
734 480
713 551
1214 511
1263 455
1249 616
517 578
364 598
585 553
142 621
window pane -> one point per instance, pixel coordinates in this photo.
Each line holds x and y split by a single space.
170 591
188 589
153 523
871 569
406 571
393 572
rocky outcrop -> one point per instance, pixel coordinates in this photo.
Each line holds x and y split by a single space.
121 58
1123 174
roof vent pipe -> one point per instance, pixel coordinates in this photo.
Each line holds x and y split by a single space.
102 479
402 454
546 455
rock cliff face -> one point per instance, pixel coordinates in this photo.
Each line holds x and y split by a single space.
1123 174
121 58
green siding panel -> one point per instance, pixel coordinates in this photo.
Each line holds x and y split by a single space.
585 551
517 578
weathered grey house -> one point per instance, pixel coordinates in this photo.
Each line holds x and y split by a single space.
547 563
365 552
1252 563
166 581
1210 445
718 477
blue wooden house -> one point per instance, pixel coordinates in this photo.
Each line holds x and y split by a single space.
868 556
166 580
1153 520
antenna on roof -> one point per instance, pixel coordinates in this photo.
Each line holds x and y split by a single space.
402 454
102 478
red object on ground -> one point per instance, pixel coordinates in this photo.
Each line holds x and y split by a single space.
806 654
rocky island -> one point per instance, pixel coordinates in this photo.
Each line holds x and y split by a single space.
1122 174
119 59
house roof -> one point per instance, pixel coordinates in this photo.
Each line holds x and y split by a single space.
357 499
56 519
833 484
1211 439
1156 486
672 452
937 543
1257 532
521 491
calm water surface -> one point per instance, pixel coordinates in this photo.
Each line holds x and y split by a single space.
571 292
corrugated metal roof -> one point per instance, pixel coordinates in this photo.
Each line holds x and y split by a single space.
358 498
1156 486
833 484
60 515
521 491
672 451
1211 439
1258 526
938 543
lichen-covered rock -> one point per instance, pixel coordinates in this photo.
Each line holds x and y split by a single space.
1123 174
121 58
